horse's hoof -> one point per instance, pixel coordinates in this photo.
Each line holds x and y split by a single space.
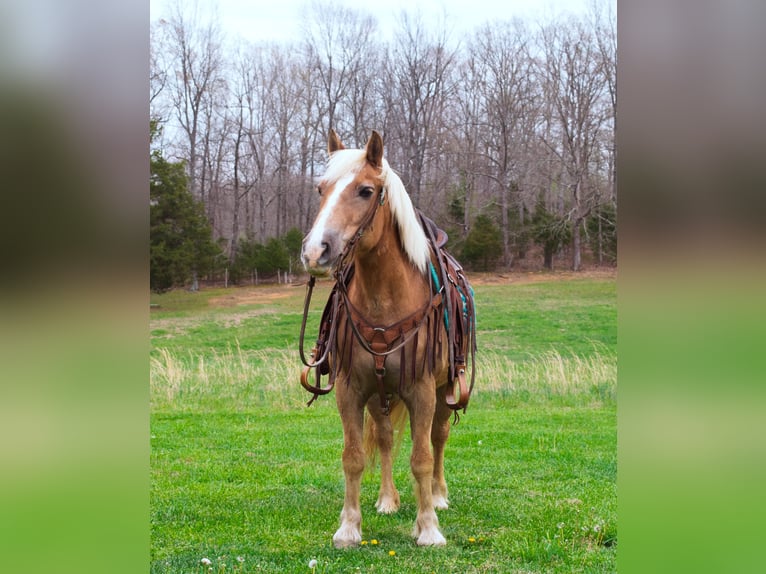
431 537
387 504
347 537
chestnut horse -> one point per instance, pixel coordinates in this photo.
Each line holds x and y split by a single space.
386 319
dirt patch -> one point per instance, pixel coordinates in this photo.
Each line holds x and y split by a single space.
235 319
172 327
245 296
523 277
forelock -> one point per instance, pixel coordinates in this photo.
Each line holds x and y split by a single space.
343 162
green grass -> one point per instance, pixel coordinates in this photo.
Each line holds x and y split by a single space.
241 468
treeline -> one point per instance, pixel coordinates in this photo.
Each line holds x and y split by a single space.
506 137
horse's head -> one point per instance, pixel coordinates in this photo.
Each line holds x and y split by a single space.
350 191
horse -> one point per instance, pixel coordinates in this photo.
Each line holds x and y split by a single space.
385 334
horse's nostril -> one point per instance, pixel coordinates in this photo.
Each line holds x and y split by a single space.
325 250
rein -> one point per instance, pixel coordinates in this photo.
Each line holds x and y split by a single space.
330 314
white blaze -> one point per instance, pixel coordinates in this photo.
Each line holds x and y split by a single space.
314 240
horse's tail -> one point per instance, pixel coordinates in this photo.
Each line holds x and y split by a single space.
399 416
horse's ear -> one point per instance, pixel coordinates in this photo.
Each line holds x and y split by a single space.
375 149
333 142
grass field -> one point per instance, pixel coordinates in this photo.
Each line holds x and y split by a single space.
244 475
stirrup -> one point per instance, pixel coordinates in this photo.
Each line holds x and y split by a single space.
462 388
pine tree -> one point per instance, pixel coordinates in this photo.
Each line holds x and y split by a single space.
483 245
180 238
550 232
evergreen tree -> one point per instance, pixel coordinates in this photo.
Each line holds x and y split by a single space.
247 260
483 245
550 232
180 239
520 230
274 256
293 241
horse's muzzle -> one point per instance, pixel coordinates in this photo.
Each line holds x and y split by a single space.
320 251
317 260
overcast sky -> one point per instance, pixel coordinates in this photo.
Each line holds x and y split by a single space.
280 20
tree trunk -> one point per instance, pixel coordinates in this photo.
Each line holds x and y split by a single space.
522 245
600 242
548 258
506 231
237 197
576 249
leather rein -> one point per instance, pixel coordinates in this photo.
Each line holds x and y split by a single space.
343 261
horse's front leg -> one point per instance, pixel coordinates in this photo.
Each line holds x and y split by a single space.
421 402
382 431
439 436
351 409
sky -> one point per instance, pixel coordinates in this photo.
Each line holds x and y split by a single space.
280 20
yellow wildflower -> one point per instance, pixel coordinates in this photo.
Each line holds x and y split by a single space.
373 542
391 553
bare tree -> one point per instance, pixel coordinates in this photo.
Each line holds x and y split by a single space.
284 107
469 106
509 115
604 23
574 85
259 81
310 138
338 42
196 51
158 65
421 62
243 179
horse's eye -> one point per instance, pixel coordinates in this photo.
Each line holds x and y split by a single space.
366 192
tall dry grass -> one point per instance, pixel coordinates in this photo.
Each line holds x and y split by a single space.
239 380
234 379
550 376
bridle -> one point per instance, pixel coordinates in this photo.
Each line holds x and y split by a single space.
342 262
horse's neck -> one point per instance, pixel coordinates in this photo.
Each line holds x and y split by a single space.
386 287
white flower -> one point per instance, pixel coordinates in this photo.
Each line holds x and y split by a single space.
240 559
560 525
479 443
597 528
312 563
206 561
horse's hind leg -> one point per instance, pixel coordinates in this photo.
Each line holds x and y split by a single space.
382 428
351 409
421 403
439 435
